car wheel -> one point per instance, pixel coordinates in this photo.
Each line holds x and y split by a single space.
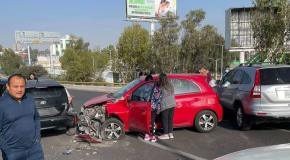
243 121
112 129
205 121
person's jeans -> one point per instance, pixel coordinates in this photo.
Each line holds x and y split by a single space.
33 153
167 120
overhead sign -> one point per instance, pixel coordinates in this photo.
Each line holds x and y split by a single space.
36 37
150 9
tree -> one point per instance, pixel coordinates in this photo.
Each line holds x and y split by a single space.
78 62
200 45
37 70
165 46
271 27
190 40
133 45
101 61
10 62
33 55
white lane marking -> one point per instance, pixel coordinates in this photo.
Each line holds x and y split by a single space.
176 151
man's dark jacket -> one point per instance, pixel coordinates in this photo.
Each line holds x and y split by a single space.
19 124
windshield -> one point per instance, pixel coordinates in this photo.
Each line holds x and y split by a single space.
124 89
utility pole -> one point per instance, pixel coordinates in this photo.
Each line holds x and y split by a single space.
216 66
222 61
152 29
222 58
28 52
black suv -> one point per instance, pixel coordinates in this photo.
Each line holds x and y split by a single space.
51 101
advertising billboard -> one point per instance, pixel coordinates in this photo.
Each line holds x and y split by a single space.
36 37
151 9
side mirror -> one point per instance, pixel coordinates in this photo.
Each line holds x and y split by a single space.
226 84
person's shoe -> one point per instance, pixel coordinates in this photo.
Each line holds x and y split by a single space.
164 136
153 139
171 135
147 137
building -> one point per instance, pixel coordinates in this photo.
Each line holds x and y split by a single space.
57 49
238 32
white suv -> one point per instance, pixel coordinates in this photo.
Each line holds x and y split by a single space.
256 93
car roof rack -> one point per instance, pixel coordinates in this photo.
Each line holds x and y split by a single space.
262 64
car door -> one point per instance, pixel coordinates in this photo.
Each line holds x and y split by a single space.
187 96
229 87
140 108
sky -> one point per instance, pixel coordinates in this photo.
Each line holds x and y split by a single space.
99 22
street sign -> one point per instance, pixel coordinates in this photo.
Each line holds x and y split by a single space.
36 37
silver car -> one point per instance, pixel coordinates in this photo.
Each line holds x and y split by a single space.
275 152
256 94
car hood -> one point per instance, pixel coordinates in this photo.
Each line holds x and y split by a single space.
98 100
281 152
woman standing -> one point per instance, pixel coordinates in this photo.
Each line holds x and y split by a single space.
167 106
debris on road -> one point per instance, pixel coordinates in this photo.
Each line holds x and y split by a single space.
67 152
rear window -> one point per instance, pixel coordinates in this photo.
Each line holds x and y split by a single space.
272 76
49 92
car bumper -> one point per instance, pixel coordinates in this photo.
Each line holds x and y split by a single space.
261 119
63 121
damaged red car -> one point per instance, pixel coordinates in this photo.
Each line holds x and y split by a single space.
109 116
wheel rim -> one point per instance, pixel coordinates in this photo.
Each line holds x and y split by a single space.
113 131
239 117
206 122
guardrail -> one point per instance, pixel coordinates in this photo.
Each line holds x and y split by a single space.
94 83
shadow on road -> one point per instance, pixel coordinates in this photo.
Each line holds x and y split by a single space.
228 123
52 132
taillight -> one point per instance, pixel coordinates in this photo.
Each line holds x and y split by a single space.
256 90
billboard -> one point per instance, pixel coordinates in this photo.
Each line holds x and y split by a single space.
150 9
36 37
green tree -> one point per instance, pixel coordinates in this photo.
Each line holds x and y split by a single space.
190 40
10 62
37 70
200 45
165 50
78 62
133 45
210 48
101 61
271 27
33 55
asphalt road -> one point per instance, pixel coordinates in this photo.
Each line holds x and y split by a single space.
187 144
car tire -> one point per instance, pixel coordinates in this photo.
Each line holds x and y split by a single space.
205 121
242 121
112 129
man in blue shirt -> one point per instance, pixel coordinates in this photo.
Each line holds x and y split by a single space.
19 123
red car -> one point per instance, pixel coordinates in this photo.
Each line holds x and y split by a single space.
110 116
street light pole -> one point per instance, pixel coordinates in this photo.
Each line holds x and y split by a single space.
216 65
222 58
222 61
